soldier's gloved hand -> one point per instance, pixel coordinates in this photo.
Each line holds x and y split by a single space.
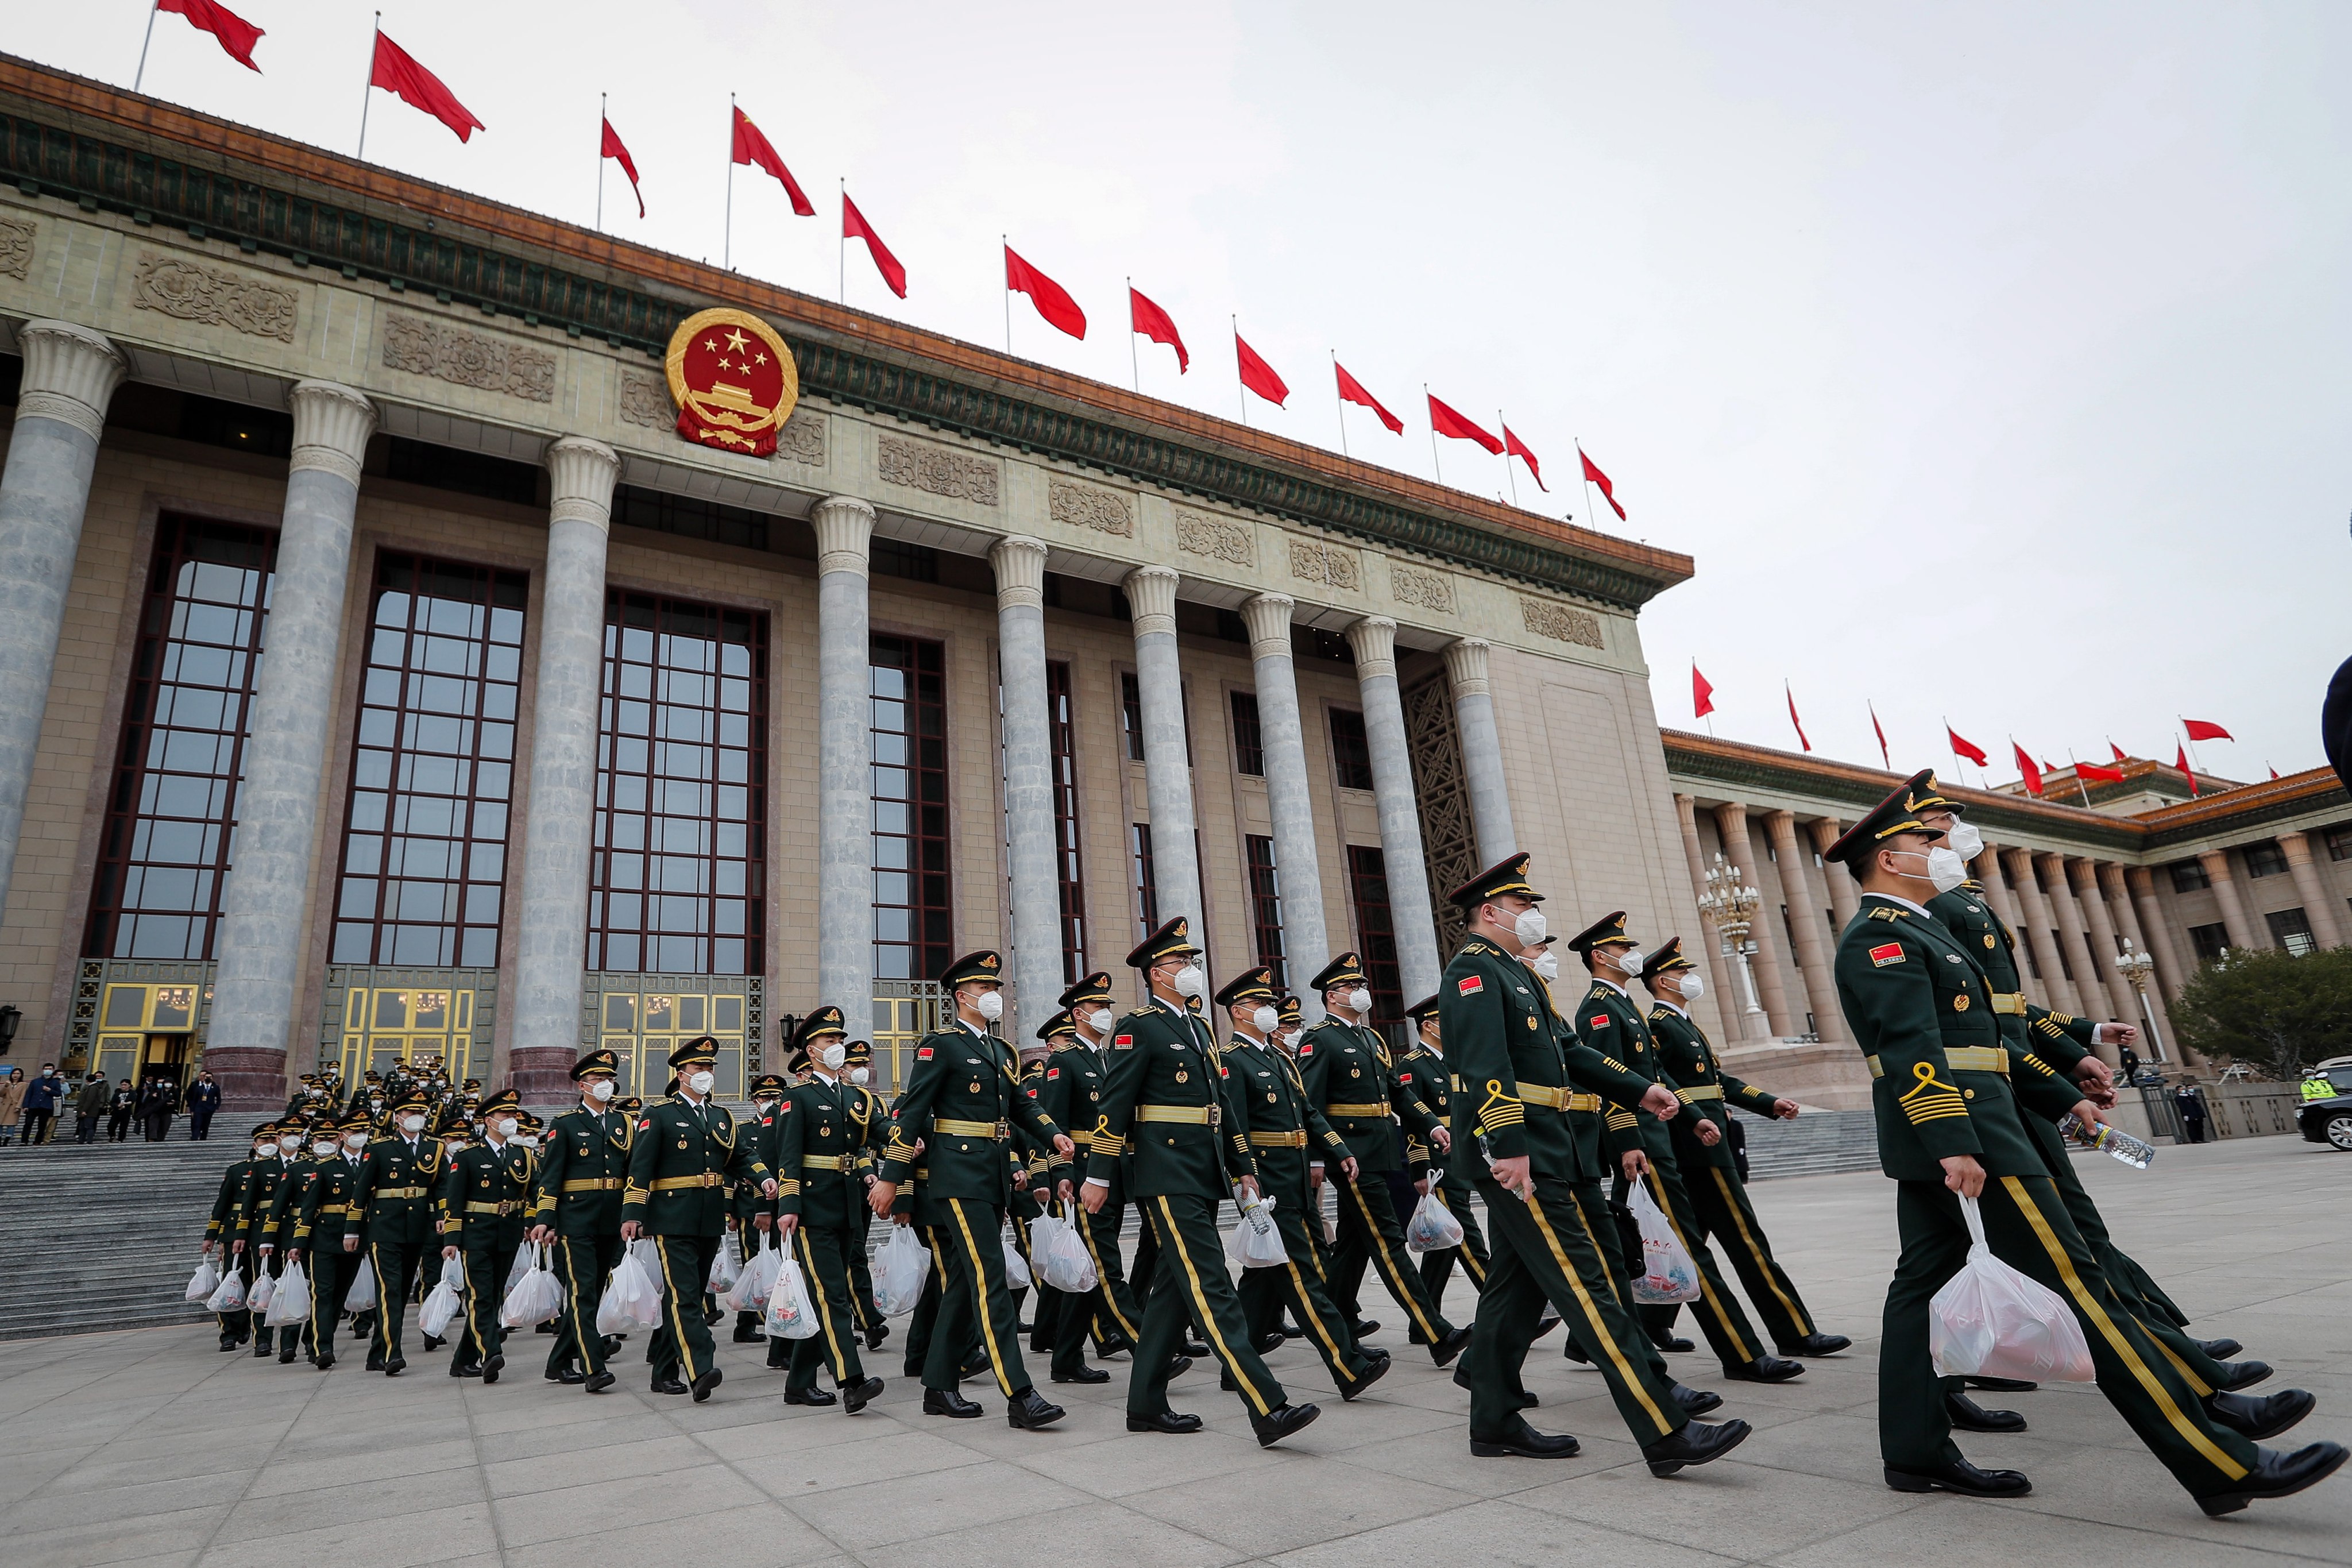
1443 1137
1708 1133
1786 1110
1635 1164
1963 1174
1662 1102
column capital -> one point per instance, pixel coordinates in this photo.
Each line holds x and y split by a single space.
2295 846
331 426
71 374
1019 562
1466 666
844 535
1267 615
1151 598
1373 642
580 478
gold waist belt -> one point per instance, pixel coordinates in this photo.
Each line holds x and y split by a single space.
2010 1002
1194 1115
1964 1059
952 1129
1370 1109
1547 1096
1583 1102
501 1208
595 1184
400 1191
820 1162
326 1209
1279 1139
676 1183
1704 1091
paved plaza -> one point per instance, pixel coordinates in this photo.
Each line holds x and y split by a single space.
151 1447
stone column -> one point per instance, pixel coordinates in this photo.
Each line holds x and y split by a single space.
1986 868
1812 955
268 891
2118 898
1031 850
1731 823
2090 983
1167 760
559 826
1373 642
1299 871
71 374
1482 750
2171 969
2037 929
844 802
1845 893
2319 903
2225 893
2083 881
1722 973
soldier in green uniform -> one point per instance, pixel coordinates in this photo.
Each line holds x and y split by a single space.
290 1231
1950 1128
873 1120
1266 1105
752 1217
1070 1092
576 1211
221 1236
1422 1072
392 1216
1349 1077
266 1224
485 1199
1509 1082
685 1153
322 1239
1063 1321
819 1190
961 1102
1719 1209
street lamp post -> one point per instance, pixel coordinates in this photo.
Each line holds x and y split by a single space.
1729 906
2136 966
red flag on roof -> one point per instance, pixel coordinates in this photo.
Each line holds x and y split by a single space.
614 150
1446 422
1258 375
2181 761
1793 719
751 147
854 226
1053 301
231 31
1352 391
2273 771
1880 730
2026 769
1961 748
1608 492
2200 730
1702 694
2118 751
1157 324
396 71
2097 775
1515 447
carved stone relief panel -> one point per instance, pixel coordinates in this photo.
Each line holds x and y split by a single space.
211 296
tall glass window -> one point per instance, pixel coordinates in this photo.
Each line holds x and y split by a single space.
1249 743
1265 905
171 811
1066 823
1147 886
677 883
913 914
425 837
1367 886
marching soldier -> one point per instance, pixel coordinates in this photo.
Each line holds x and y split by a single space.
961 1102
753 1218
1057 1310
1608 1021
873 1119
284 1220
392 1216
1950 1128
1164 1099
1071 1093
222 1232
1422 1072
576 1211
1349 1079
485 1200
687 1151
1719 1208
320 1228
819 1189
267 1223
1514 1084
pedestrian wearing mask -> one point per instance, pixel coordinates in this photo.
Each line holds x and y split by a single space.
392 1217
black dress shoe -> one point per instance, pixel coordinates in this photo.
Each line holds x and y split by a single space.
1695 1401
1546 1323
716 1316
1267 1343
1083 1374
703 1385
780 1356
1166 1420
396 1367
375 1363
856 1396
1766 1369
493 1367
1570 1349
748 1334
1695 1444
1021 1328
1179 1365
1374 1353
1526 1443
669 1385
469 1369
1040 1345
2279 1475
1030 1410
570 1376
323 1363
816 1396
546 1327
2243 1374
1374 1372
875 1335
228 1342
432 1343
2220 1349
947 1402
2261 1417
1193 1348
1364 1327
286 1356
1280 1421
1816 1344
1527 1400
1962 1477
1444 1352
1967 1415
612 1346
599 1383
1674 1343
2000 1384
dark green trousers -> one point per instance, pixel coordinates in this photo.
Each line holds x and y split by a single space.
582 1263
2027 1227
486 1263
684 1337
1368 1233
1721 1214
822 1254
1194 1289
973 1297
1718 1310
861 1274
1437 1268
1602 1222
1298 1285
1543 1250
329 1270
397 1266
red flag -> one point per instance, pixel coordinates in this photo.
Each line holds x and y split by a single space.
2026 770
2273 771
1961 748
2200 730
751 147
1514 446
233 32
1053 301
613 149
396 71
1258 375
1446 422
1881 730
1702 694
1793 719
2118 751
2181 761
854 226
1352 391
2097 775
1607 493
1143 316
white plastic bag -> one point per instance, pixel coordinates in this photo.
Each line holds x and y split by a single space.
264 1288
631 1299
361 1297
901 1268
1989 1320
1016 1267
757 1280
790 1314
205 1280
1256 1240
1433 1227
291 1302
1057 1256
523 1264
230 1297
728 1265
1670 1276
537 1296
446 1302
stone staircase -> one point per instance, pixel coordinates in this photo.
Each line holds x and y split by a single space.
1815 1144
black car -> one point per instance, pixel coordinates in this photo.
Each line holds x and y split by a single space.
2328 1118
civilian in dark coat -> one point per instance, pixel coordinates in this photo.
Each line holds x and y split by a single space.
203 1099
157 1102
119 1109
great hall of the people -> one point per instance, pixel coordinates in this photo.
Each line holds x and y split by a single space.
388 670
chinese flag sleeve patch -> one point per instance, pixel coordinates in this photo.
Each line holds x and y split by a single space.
1886 954
1469 985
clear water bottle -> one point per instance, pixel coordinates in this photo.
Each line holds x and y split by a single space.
2113 1140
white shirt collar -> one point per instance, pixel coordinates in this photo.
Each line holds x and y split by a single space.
1672 1007
1613 985
975 1028
1896 898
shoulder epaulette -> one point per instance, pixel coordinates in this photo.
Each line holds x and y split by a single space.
1596 992
1887 912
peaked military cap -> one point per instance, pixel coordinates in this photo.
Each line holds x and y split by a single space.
825 1020
1249 985
266 1131
1425 1008
473 1083
698 1052
1927 794
1668 956
856 1052
1173 938
1505 877
768 1083
1610 927
981 966
357 1119
525 1122
605 1062
1899 813
411 1099
1060 1025
1095 987
1345 970
1289 1007
373 1076
629 1105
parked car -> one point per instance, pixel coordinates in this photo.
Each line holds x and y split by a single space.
2328 1118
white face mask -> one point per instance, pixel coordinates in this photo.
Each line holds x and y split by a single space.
265 1150
1693 986
600 1089
355 1139
1530 927
1631 958
1963 839
1265 1019
504 1126
700 1082
1290 1039
1358 1000
858 1076
529 1139
1189 981
989 1005
412 1124
322 1150
1945 870
1100 1020
1545 965
833 1055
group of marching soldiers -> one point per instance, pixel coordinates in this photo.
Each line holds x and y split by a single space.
1551 1116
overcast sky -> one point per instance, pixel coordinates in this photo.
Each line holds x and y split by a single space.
1992 361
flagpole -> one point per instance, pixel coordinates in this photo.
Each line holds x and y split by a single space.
152 9
367 93
604 118
2186 743
841 245
1339 403
1508 472
1241 388
726 245
1006 241
1134 357
2082 788
1434 460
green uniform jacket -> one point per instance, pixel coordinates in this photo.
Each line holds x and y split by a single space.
817 1120
682 1162
1911 993
250 1222
395 1201
1069 1089
286 1204
583 1147
229 1202
1499 1048
1265 1094
327 1203
1682 1047
1606 1022
1420 1072
1352 1082
486 1195
1160 1058
973 1080
2059 1038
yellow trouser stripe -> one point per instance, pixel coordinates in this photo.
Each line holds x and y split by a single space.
1378 1245
1764 1264
1175 1242
676 1313
473 1311
573 1307
823 1300
2197 1384
1706 1286
2116 1338
1601 1335
979 1296
1086 1228
387 1310
1313 1318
